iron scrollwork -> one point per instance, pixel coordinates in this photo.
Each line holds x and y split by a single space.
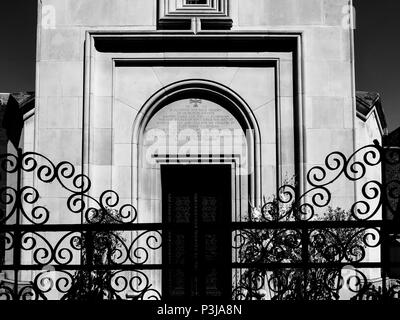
311 262
78 261
285 252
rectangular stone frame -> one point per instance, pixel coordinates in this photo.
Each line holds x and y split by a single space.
171 9
128 42
175 14
235 179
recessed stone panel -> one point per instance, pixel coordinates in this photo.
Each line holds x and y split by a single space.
223 75
60 112
61 144
122 180
328 78
333 140
101 177
334 11
102 112
103 79
102 147
61 79
266 116
324 43
123 120
133 86
111 13
122 154
280 13
255 85
327 112
61 44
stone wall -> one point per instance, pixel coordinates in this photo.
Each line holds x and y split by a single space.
88 106
326 82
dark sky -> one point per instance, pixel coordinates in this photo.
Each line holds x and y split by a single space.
378 53
17 45
377 49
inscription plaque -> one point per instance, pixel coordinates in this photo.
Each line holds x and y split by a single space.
194 114
193 127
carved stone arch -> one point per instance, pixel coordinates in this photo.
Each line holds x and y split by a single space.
217 93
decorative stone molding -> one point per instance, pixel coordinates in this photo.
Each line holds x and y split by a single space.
180 14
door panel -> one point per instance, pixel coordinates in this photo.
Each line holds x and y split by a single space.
197 211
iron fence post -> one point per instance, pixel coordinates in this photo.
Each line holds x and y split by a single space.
17 234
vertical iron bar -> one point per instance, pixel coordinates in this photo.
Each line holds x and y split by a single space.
385 246
89 259
17 235
250 286
385 257
305 257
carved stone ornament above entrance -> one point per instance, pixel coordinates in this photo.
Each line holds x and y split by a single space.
194 14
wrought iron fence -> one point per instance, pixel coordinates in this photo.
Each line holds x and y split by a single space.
300 248
85 260
295 247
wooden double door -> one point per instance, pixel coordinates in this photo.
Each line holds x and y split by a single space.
196 237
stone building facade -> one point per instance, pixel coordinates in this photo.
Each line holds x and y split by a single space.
136 92
106 64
